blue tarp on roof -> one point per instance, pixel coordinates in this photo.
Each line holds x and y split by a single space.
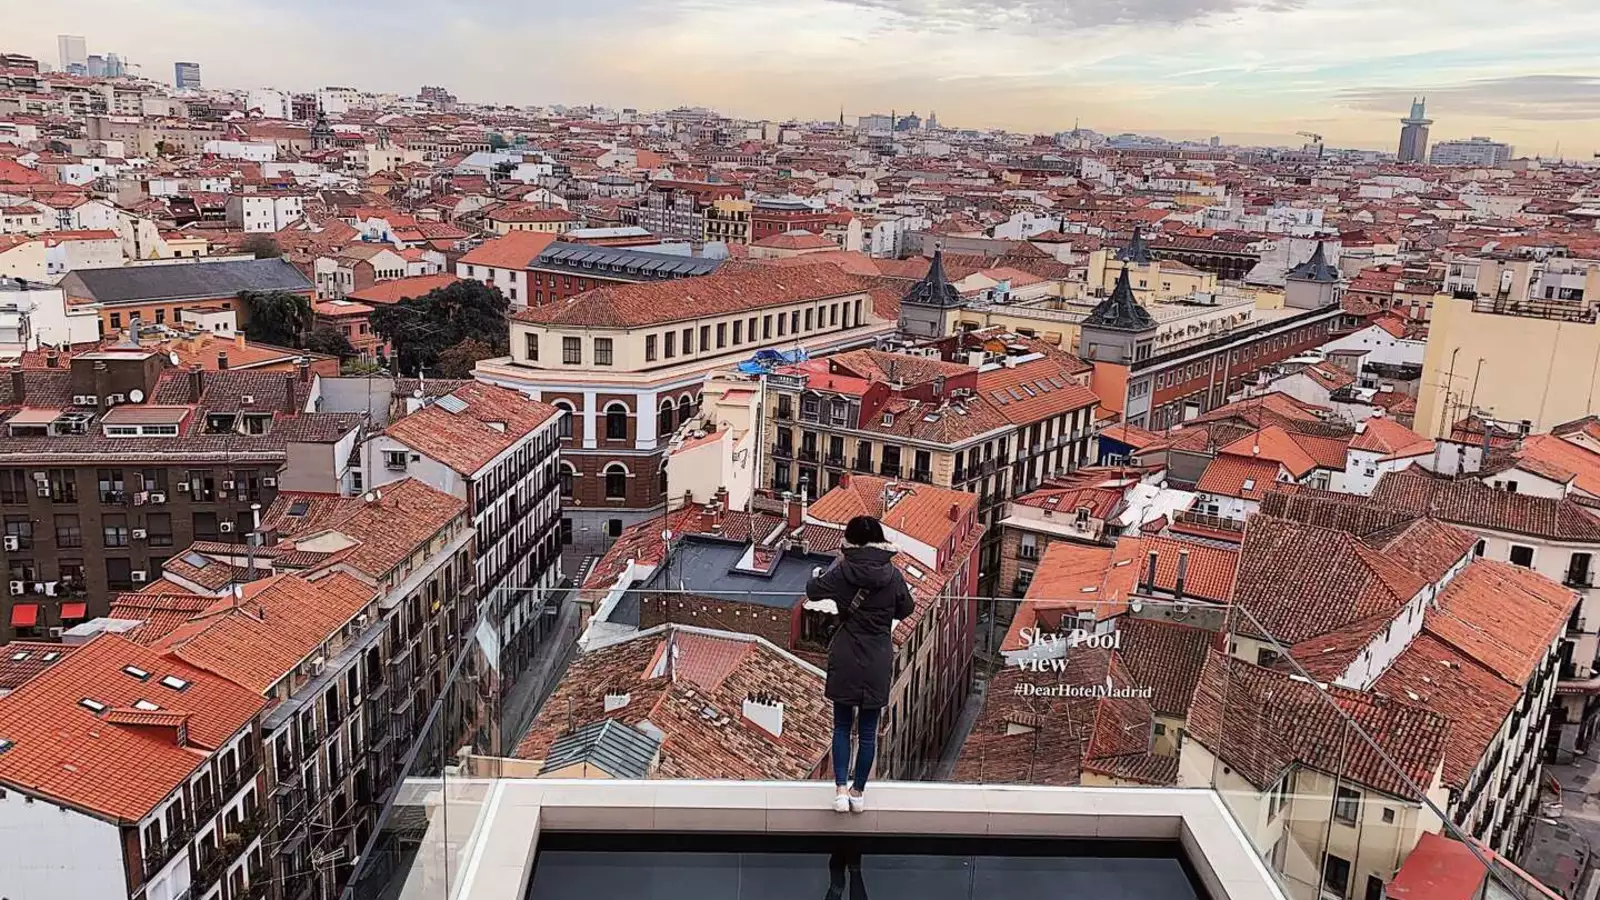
766 360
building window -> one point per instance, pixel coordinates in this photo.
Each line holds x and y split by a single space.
1374 888
566 477
571 351
69 533
115 528
616 482
672 344
808 320
1346 804
649 348
722 335
531 343
616 422
1336 875
614 528
738 332
705 338
564 429
664 418
566 532
158 526
1522 556
19 530
602 351
783 324
766 328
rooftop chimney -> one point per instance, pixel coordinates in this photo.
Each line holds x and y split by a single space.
797 510
291 381
1150 572
303 366
222 360
238 340
197 384
1183 571
766 710
19 386
102 381
955 512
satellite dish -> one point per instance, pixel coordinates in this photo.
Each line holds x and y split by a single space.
136 396
173 356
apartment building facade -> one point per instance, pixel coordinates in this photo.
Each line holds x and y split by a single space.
676 210
497 450
165 794
994 430
626 365
114 462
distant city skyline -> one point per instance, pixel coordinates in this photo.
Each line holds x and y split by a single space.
1251 71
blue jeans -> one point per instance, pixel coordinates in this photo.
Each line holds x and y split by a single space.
864 721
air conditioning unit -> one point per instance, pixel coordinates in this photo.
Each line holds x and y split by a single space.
18 588
225 527
114 399
13 542
158 496
269 481
85 400
247 399
227 485
138 576
317 665
40 476
44 490
183 487
140 534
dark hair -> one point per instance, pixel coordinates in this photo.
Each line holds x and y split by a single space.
863 530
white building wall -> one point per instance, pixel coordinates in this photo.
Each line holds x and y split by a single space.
52 853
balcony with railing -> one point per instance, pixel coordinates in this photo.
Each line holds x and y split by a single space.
1252 775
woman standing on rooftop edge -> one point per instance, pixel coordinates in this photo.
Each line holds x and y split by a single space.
870 596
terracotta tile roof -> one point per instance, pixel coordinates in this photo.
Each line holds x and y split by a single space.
1078 578
491 419
516 250
1166 656
1299 581
1132 435
160 612
1044 387
529 212
1031 739
796 240
886 367
921 511
133 767
21 660
1562 456
731 289
401 517
1278 445
1234 475
259 639
1476 505
695 697
1388 437
1261 722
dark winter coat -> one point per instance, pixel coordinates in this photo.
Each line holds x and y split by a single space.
861 657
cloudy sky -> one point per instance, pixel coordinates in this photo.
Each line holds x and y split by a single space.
1249 70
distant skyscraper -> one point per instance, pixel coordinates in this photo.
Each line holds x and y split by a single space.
115 67
1414 132
1480 151
186 75
74 51
97 66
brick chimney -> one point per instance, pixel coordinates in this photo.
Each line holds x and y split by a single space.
102 381
291 381
222 360
197 384
19 386
796 511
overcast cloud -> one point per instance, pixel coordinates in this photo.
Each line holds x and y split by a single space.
1251 70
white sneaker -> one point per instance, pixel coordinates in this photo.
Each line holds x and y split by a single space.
841 802
858 802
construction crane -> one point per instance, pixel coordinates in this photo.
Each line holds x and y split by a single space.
1315 139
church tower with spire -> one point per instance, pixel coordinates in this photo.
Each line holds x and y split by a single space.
926 310
322 136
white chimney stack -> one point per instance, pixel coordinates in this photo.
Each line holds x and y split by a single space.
766 711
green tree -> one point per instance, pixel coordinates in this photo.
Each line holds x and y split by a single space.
497 141
459 361
262 246
422 328
329 341
276 317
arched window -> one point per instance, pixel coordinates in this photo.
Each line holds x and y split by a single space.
565 428
687 406
567 474
616 422
616 481
664 420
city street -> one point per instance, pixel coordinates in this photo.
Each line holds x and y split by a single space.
1560 851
